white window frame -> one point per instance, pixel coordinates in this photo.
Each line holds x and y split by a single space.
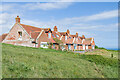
53 35
44 43
65 37
83 47
20 35
69 47
57 35
75 45
86 47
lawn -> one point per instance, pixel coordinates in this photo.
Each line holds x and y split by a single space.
27 62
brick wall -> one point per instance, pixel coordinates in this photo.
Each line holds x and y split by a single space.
12 37
42 38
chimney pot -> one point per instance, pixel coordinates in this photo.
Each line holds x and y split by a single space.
17 19
68 31
76 34
55 28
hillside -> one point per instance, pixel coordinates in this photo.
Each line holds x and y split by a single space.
26 62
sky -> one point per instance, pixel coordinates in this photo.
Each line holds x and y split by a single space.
92 19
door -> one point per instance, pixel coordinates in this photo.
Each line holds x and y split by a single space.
87 47
75 46
69 47
53 46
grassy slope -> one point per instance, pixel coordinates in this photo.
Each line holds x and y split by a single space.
43 63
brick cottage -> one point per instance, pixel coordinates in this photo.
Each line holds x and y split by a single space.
26 35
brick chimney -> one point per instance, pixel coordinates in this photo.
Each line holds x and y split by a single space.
17 19
83 36
55 28
68 31
76 34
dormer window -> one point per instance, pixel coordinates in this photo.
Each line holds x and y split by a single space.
20 35
76 39
57 35
49 35
65 37
53 35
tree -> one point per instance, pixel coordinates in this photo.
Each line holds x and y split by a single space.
60 43
96 47
50 45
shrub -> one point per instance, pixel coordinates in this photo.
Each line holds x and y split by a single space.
60 43
50 45
96 47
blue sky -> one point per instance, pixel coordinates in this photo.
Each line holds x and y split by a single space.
92 19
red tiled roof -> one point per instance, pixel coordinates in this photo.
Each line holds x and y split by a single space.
80 37
83 36
87 41
73 35
63 39
56 33
34 35
51 40
79 41
62 33
33 31
69 41
93 43
2 37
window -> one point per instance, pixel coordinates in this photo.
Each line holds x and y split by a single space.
65 37
53 35
75 46
44 45
49 35
19 35
57 35
83 47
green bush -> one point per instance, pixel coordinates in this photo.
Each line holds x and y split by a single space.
96 47
99 60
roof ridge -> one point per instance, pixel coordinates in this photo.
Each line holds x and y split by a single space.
30 26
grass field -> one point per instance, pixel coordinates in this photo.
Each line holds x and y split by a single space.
26 62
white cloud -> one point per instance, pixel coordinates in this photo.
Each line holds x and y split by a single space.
103 15
99 16
46 6
34 6
6 22
5 17
107 27
7 7
63 24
